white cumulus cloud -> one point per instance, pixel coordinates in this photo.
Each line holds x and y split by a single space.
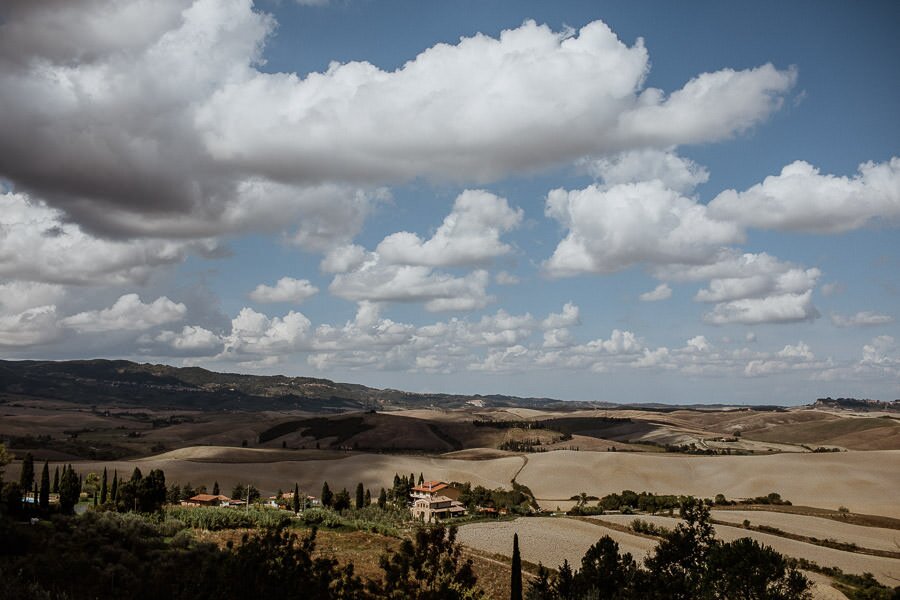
286 289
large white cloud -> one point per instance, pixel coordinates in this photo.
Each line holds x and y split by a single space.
138 119
469 235
610 229
128 313
800 198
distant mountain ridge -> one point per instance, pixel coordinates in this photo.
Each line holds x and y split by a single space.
121 382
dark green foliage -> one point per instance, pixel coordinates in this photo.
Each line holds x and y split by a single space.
327 495
104 555
360 496
143 494
515 585
367 500
243 491
382 499
55 489
26 476
215 490
427 568
11 502
342 428
517 501
341 500
745 569
44 501
296 498
103 488
69 490
114 489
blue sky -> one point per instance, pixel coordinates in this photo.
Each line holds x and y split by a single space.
620 201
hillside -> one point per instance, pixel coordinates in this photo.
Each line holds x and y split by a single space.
124 383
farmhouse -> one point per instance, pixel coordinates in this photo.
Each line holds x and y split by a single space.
207 500
434 500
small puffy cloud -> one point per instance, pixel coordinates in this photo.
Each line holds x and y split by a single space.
833 288
31 327
802 199
861 319
378 282
287 289
612 229
254 333
506 278
343 258
469 235
698 343
782 308
570 316
191 339
799 351
750 288
660 292
128 313
648 164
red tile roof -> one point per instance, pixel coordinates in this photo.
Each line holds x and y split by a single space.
430 487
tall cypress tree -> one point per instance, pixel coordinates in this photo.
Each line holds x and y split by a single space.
26 477
215 488
45 487
515 586
56 481
296 504
114 490
103 487
327 495
360 496
69 490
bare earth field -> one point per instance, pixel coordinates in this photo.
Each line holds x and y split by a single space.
864 482
548 540
877 538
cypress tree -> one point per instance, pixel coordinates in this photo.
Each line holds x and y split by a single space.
515 586
215 488
45 487
114 490
69 490
296 503
55 489
368 499
382 499
103 487
26 477
421 479
327 495
360 496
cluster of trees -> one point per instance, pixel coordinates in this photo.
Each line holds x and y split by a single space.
145 560
626 501
516 500
688 564
342 501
